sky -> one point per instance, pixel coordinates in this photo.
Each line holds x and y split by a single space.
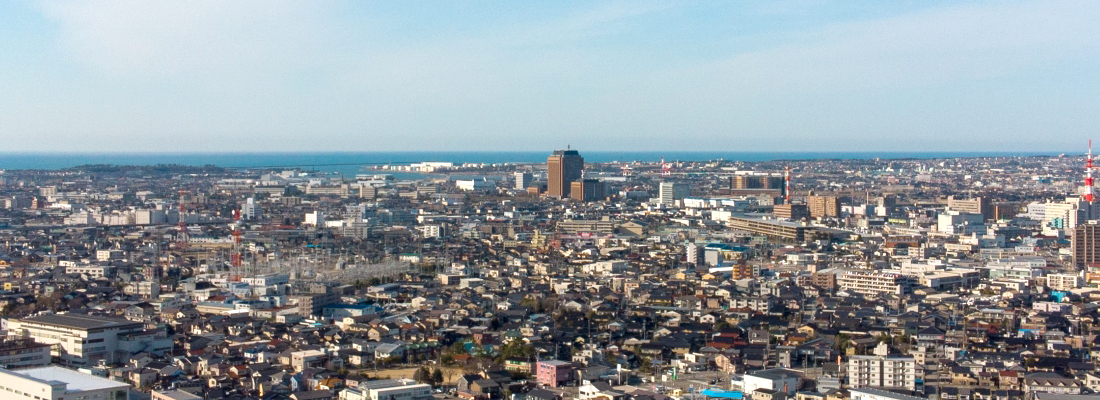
287 76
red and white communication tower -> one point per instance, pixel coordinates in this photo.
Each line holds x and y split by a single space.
666 169
235 274
787 186
1089 194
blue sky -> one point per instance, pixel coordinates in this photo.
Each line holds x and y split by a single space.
477 75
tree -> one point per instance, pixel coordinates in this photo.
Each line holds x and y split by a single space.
437 377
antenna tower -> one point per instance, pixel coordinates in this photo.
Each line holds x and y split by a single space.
787 185
666 169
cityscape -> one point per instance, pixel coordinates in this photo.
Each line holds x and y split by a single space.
948 278
549 200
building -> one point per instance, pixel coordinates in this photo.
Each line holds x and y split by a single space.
757 182
562 168
780 230
173 395
588 190
250 210
977 205
878 394
23 352
56 383
523 180
877 283
80 339
92 271
780 380
1064 282
960 223
823 206
669 192
1086 245
316 218
883 372
300 360
387 389
553 373
475 185
792 211
310 305
575 226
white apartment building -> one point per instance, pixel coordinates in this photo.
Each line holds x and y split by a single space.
81 340
877 283
93 271
56 383
1063 282
429 231
883 372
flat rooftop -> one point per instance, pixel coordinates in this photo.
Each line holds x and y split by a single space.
80 321
77 381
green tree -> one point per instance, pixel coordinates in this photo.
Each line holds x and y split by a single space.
437 377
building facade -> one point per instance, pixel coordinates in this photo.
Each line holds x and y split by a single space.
562 169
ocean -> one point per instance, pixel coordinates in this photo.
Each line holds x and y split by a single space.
350 163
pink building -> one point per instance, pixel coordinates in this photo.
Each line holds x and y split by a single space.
554 373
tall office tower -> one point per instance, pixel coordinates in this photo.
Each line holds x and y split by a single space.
563 167
523 180
672 191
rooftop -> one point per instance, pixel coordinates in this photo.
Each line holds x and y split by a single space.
77 381
80 321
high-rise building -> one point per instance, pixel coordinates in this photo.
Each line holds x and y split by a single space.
1086 245
523 180
588 190
669 192
563 167
823 206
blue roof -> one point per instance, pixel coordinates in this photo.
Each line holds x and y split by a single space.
723 394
